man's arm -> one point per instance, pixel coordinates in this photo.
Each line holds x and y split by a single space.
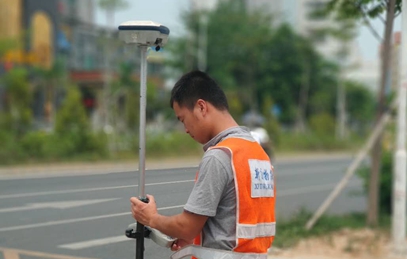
184 226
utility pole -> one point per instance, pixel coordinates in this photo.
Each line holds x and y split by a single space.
400 167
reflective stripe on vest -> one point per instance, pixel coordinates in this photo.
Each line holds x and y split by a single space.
253 231
209 253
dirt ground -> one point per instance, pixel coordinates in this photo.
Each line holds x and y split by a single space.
344 244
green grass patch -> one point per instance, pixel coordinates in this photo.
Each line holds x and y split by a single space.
290 232
291 142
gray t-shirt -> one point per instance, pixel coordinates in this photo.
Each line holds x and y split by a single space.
214 193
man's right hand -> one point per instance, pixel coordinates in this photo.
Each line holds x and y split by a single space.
179 243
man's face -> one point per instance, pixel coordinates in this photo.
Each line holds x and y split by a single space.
193 121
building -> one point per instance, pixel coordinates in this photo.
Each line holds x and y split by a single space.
81 10
64 31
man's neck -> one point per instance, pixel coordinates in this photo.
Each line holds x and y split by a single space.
224 122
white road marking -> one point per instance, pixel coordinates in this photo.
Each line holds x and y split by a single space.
117 239
289 192
96 242
68 221
56 205
314 188
21 195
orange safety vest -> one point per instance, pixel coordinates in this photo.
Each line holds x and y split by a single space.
255 196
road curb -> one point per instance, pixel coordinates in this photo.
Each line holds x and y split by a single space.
100 167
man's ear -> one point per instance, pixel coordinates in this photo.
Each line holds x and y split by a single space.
202 106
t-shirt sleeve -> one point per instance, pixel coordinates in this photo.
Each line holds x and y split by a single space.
212 179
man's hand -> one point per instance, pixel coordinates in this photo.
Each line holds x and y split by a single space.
179 243
143 212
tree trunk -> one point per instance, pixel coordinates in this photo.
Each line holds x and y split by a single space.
373 203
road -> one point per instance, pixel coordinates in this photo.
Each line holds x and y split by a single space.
85 216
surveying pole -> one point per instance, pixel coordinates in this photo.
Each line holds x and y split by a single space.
144 34
400 167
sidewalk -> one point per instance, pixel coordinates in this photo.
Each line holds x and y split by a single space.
100 167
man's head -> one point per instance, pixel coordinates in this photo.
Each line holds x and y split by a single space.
201 105
198 85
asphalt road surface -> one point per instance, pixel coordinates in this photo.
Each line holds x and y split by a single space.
85 216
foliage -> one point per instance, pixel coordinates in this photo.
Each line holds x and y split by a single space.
290 142
322 124
255 60
360 105
17 116
271 124
171 144
112 5
126 92
10 151
385 183
73 129
359 9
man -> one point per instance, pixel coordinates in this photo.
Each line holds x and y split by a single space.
231 207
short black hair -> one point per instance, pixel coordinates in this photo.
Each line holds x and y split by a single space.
198 85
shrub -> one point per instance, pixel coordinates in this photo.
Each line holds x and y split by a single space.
313 142
385 183
73 135
171 144
10 151
322 124
33 143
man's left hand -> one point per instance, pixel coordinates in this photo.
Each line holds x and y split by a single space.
143 212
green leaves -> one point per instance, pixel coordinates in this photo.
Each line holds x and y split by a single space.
112 5
357 9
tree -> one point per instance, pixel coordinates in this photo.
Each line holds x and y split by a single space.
344 30
51 80
363 10
360 106
110 7
17 116
254 61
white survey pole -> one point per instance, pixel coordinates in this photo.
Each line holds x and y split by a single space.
142 129
144 34
400 167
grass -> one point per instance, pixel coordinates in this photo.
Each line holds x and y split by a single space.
290 232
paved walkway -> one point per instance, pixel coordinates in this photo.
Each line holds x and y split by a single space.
71 168
93 167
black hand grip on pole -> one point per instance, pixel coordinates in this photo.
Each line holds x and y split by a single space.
140 238
138 231
140 241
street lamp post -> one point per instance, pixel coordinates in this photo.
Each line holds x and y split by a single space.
400 167
143 34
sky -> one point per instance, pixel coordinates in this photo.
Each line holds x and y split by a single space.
168 13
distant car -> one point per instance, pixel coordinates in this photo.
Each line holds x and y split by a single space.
262 137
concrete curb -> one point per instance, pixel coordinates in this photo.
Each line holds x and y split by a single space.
103 167
66 169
